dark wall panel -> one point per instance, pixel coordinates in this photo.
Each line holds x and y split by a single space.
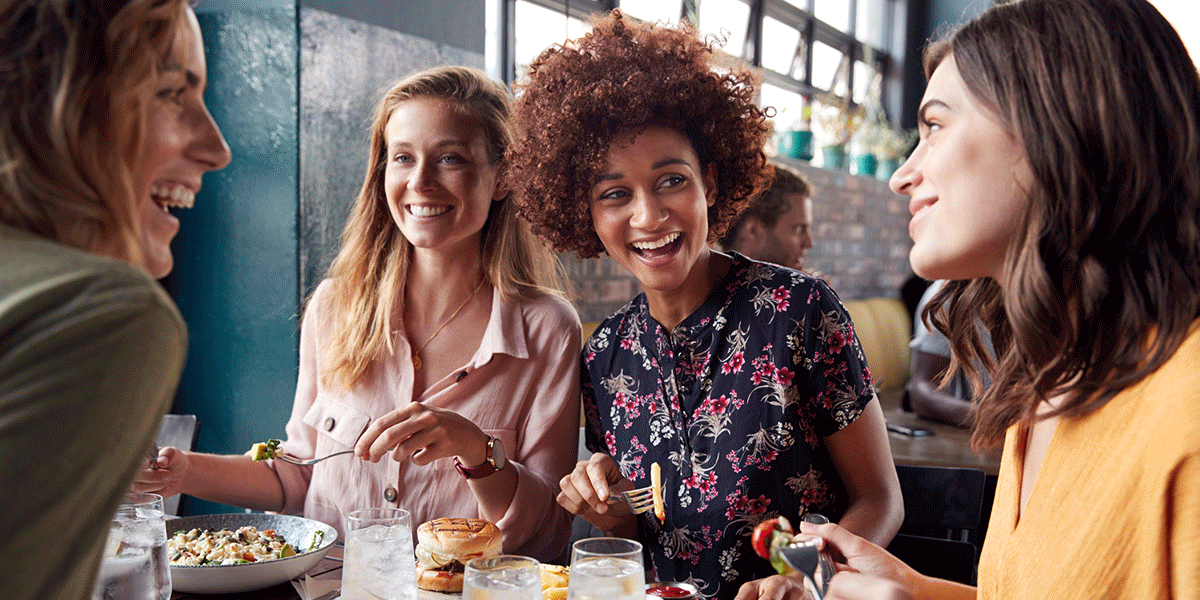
458 23
345 67
235 277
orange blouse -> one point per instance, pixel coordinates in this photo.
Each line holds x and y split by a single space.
1115 510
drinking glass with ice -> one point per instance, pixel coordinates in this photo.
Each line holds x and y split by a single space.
379 563
606 569
135 556
504 577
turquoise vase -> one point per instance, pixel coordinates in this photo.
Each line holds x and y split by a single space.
834 156
865 165
885 168
796 144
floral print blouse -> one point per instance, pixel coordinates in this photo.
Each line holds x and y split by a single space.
733 405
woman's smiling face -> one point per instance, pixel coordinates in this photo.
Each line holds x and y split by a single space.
439 182
968 182
182 143
650 209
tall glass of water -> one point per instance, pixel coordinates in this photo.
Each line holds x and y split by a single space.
135 556
606 569
379 562
502 577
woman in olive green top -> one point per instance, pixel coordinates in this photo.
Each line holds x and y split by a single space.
105 129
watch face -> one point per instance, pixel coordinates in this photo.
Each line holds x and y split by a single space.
498 459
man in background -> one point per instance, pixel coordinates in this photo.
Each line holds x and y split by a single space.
777 226
930 359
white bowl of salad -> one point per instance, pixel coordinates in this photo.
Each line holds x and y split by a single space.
240 552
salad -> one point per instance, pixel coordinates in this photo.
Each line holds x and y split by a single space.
224 547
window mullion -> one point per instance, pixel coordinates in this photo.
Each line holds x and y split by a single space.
754 34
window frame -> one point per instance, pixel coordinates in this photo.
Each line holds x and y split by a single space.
887 60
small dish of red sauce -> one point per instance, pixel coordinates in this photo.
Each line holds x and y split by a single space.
672 590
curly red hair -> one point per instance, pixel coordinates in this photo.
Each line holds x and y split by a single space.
624 76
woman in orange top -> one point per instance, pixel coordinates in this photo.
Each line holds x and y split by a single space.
1057 181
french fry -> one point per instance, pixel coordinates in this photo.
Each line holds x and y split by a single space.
554 576
656 484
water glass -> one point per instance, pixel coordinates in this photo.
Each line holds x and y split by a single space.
502 577
135 563
606 569
378 561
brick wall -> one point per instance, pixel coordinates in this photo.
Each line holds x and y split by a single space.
861 233
861 243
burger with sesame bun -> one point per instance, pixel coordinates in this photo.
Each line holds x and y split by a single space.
445 545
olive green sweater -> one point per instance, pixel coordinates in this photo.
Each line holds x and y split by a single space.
91 350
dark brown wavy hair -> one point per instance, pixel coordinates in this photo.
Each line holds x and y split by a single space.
1105 283
622 77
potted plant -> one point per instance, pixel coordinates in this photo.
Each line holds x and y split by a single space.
891 146
835 121
797 141
863 145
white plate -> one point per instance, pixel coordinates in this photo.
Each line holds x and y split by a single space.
228 579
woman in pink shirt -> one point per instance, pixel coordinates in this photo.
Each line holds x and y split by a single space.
439 348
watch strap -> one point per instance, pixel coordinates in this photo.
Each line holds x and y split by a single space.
480 471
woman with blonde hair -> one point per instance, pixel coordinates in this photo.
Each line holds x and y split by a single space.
105 129
439 339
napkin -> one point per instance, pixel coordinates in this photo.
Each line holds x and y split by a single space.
312 589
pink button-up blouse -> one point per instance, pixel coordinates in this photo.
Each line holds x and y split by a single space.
521 386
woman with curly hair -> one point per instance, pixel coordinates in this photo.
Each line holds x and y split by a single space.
742 380
439 348
1062 197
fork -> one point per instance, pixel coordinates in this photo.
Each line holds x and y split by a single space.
805 558
311 461
810 561
639 500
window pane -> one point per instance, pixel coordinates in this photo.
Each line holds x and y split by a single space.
536 28
833 12
727 19
779 45
864 83
869 26
656 11
826 62
788 106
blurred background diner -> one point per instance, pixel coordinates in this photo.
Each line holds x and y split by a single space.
777 226
292 86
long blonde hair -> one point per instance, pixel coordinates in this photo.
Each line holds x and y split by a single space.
75 77
368 275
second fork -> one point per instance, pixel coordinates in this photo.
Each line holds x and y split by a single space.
638 500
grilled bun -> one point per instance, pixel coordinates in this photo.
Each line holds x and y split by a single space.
460 537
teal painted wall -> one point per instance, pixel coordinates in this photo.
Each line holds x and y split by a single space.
945 14
236 272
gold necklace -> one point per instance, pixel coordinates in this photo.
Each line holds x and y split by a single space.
416 359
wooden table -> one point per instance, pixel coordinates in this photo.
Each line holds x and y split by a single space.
949 446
